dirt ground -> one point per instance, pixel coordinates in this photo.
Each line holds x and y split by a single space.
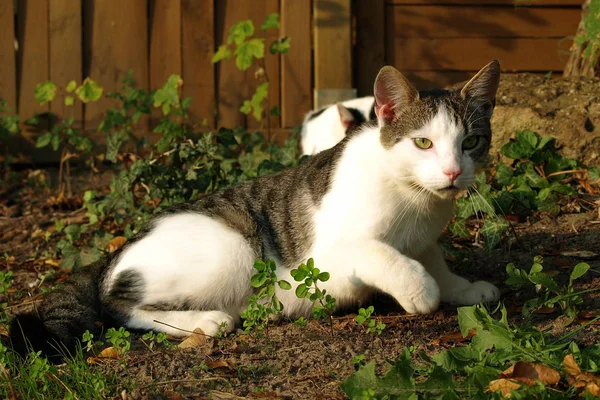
305 362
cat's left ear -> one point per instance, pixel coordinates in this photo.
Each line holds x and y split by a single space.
393 92
483 86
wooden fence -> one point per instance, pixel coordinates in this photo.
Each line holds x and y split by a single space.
336 44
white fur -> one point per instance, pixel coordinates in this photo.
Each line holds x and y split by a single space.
376 228
327 130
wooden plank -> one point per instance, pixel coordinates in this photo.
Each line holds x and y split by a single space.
119 42
296 93
65 54
8 66
332 44
437 79
451 21
33 59
232 85
198 44
515 3
165 45
470 54
370 44
259 11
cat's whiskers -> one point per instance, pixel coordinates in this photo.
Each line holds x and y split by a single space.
408 204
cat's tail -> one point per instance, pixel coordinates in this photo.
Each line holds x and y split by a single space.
58 323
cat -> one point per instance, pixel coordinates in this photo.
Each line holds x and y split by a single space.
325 127
369 211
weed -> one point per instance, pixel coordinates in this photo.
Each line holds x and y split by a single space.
263 305
119 339
323 303
301 322
358 360
150 339
371 325
548 292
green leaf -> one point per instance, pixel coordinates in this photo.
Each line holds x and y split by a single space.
468 319
272 21
301 291
323 276
594 173
167 97
240 31
578 271
55 142
222 53
546 281
71 86
89 91
285 285
247 51
43 140
493 229
504 174
69 100
280 46
459 228
45 92
364 378
529 138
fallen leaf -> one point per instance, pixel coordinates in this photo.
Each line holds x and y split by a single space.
453 337
571 365
544 310
585 254
220 364
116 243
503 385
541 372
579 378
196 339
593 388
106 354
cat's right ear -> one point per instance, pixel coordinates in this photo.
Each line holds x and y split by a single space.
346 116
393 92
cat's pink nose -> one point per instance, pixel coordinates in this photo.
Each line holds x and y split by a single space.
454 173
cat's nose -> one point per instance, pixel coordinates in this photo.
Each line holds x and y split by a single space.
453 174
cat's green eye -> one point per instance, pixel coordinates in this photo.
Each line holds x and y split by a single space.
470 142
423 143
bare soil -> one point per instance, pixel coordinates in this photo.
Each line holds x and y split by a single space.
310 362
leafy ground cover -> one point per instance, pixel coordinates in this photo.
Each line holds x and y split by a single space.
530 226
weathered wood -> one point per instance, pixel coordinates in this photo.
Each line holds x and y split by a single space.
514 3
8 63
491 22
369 54
332 45
33 59
198 40
579 63
165 44
470 54
119 42
65 54
296 95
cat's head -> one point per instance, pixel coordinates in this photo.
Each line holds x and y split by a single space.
436 140
351 118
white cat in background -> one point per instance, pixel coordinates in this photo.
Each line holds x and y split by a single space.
324 128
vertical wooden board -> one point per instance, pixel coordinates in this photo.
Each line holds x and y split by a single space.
259 12
232 84
198 45
119 42
296 89
370 44
165 44
332 44
32 55
65 53
8 71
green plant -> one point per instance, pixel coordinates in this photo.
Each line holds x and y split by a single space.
155 338
323 303
301 322
9 124
65 132
358 359
371 325
264 303
249 50
119 339
536 180
467 371
548 292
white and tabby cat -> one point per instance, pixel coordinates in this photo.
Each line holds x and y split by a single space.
369 211
327 126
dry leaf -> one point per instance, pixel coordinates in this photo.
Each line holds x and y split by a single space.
579 378
106 354
593 388
220 364
454 337
504 385
584 254
196 339
116 243
544 310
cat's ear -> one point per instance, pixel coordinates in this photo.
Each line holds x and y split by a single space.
483 86
346 117
393 92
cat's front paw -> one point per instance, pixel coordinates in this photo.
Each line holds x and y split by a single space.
475 293
424 299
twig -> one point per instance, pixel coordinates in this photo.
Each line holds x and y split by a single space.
570 171
180 329
208 378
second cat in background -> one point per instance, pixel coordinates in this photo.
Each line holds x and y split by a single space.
325 127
